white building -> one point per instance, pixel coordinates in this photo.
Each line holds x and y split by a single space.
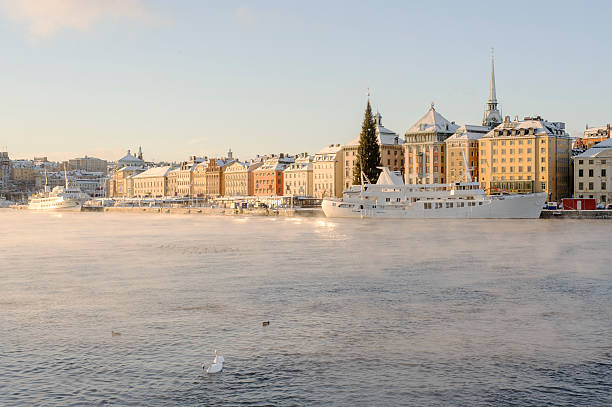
327 172
593 173
298 176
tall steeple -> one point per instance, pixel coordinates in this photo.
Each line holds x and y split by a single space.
492 116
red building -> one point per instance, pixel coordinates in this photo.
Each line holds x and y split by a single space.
269 179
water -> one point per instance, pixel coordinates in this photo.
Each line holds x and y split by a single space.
419 313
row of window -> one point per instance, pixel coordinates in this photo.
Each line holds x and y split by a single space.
581 172
591 186
440 205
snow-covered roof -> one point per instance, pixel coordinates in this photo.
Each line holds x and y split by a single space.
433 122
384 136
331 149
299 166
597 149
154 172
539 126
469 132
129 158
131 168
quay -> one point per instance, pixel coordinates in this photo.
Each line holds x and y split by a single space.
574 214
288 212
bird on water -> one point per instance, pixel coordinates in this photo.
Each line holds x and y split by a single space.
217 364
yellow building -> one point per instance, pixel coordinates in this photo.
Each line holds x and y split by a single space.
121 183
526 156
462 149
327 172
151 183
199 179
172 187
237 179
298 177
391 152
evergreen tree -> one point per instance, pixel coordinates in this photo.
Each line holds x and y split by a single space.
368 153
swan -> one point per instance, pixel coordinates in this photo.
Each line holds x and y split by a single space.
217 364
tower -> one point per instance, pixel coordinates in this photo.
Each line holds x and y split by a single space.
492 116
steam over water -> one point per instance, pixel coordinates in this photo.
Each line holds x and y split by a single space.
362 312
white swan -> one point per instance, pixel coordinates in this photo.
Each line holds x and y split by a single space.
217 364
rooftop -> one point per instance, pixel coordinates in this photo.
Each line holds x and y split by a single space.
433 122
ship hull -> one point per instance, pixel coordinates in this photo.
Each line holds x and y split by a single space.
528 206
55 205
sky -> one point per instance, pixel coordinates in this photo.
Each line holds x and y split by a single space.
197 77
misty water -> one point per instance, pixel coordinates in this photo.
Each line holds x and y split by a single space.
362 312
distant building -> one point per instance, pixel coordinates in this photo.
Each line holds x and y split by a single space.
391 153
327 172
90 164
424 149
129 160
592 136
172 182
239 178
532 155
462 149
185 181
298 176
152 182
215 182
199 178
121 183
593 173
269 177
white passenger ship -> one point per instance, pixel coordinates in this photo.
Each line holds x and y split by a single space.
391 198
58 198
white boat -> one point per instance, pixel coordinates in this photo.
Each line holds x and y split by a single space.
59 198
391 198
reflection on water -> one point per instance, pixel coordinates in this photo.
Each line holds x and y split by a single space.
364 312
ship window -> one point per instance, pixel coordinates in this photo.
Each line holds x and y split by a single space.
479 203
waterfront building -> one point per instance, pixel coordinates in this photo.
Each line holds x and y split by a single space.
327 172
172 182
152 182
298 176
391 153
185 177
532 155
121 183
130 160
593 173
461 149
215 181
424 149
199 178
239 178
89 164
492 116
269 177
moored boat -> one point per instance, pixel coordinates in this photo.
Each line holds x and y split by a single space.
391 198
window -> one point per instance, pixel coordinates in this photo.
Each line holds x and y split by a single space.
581 172
543 169
543 185
482 152
603 186
590 186
590 172
591 162
603 161
543 159
580 185
528 151
603 171
580 161
542 150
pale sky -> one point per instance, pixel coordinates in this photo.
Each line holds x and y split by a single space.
180 78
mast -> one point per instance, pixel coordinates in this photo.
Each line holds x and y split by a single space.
65 176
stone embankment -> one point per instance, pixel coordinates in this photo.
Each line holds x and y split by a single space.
560 214
309 212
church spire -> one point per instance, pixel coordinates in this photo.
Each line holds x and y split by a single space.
492 116
492 93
